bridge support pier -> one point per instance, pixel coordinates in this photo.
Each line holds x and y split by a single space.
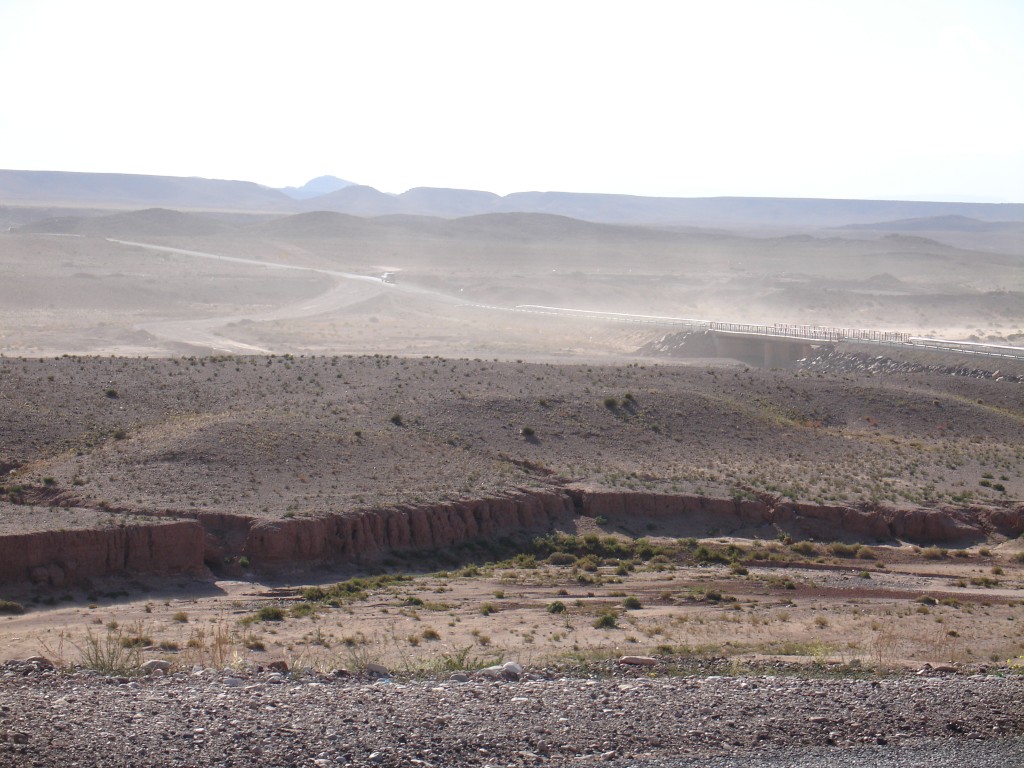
768 353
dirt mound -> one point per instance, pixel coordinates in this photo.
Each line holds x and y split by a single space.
315 224
684 344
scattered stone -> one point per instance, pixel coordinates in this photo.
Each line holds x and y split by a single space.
154 665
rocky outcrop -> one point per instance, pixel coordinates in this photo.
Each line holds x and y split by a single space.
63 558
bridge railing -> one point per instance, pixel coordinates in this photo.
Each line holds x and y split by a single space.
815 332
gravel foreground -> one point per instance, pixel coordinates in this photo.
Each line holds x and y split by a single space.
222 718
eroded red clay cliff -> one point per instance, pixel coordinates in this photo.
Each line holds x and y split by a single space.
62 558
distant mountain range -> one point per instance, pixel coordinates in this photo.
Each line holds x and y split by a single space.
328 193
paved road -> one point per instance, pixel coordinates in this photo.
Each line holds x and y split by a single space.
342 289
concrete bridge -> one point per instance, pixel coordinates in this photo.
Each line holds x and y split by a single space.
780 345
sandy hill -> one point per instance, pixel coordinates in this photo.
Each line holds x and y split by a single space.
152 222
315 224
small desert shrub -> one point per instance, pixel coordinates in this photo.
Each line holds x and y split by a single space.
181 617
527 432
611 403
704 554
487 609
302 610
606 621
431 634
110 655
556 607
839 549
396 419
632 603
270 613
136 641
805 548
9 606
933 553
564 558
313 594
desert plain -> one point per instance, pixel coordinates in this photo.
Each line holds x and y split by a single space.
325 450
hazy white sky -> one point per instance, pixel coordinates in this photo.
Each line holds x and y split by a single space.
911 99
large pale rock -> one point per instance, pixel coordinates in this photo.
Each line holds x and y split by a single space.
154 665
639 661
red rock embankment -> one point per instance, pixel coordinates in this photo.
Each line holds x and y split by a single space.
875 524
63 558
368 533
